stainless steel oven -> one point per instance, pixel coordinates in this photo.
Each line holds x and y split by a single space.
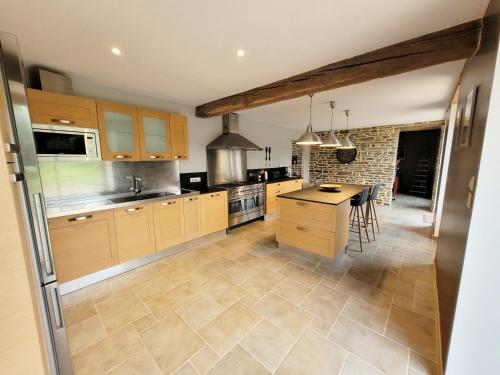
245 203
57 142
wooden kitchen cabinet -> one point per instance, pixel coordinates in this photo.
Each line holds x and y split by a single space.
52 108
179 136
118 131
135 232
214 212
154 134
83 244
274 189
192 217
168 223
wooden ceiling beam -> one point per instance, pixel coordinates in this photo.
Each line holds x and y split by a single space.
455 43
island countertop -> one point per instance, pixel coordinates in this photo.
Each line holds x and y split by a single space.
315 194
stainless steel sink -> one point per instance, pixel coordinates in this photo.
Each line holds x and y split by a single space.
138 197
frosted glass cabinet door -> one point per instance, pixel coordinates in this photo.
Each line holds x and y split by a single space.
119 131
154 135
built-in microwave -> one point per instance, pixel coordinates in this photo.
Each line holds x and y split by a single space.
55 142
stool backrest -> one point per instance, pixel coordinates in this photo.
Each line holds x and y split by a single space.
363 196
375 191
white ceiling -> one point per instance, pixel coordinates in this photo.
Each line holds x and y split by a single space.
185 51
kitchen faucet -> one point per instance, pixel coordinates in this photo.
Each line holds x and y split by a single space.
137 186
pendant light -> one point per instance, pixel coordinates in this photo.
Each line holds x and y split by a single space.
309 137
331 140
346 142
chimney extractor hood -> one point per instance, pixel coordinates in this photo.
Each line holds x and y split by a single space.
230 138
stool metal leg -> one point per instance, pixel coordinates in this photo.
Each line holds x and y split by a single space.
375 213
365 224
359 228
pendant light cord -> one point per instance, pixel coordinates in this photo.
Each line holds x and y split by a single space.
310 108
347 117
331 122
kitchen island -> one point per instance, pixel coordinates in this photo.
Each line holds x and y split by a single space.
314 220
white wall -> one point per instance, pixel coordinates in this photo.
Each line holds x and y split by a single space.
475 340
203 131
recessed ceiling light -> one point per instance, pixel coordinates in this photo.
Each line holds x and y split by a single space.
116 51
240 53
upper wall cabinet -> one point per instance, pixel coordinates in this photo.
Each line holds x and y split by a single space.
58 109
119 131
154 135
179 136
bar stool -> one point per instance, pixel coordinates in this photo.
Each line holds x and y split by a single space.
371 213
357 214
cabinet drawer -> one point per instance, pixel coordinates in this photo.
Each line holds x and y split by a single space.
58 109
304 237
134 231
169 223
214 212
83 244
192 217
316 215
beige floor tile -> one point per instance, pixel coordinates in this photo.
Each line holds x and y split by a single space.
186 369
120 311
238 362
329 282
153 287
301 275
239 273
283 314
144 322
402 287
325 303
320 326
313 354
78 312
425 302
171 342
249 300
165 303
178 275
223 291
262 282
200 311
423 365
367 272
225 331
367 314
140 363
292 291
107 353
268 344
412 330
85 333
335 269
356 366
204 360
382 353
277 260
304 263
365 292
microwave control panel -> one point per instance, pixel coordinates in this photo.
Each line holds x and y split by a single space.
91 148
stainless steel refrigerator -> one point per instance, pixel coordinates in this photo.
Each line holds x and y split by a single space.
23 165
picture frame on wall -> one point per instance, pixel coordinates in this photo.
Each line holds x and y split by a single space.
468 118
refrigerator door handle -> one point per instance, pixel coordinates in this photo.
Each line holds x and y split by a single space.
46 252
56 307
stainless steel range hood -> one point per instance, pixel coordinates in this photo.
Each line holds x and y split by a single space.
230 137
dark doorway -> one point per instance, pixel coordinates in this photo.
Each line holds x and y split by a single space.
417 155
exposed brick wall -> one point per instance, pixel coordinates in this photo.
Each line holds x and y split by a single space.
375 161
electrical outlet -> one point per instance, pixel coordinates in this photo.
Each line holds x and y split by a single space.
195 179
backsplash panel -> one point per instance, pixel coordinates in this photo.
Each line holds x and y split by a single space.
86 180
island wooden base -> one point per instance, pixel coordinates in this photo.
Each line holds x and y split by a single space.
318 228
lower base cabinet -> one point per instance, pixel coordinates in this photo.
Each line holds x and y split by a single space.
168 223
214 212
83 244
192 218
135 233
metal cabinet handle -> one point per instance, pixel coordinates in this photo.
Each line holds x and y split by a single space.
168 203
121 156
191 199
156 156
133 209
44 238
62 121
215 195
302 229
54 296
80 218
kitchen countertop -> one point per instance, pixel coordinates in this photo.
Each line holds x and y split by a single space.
314 194
58 209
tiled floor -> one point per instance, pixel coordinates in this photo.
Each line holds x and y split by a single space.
240 306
